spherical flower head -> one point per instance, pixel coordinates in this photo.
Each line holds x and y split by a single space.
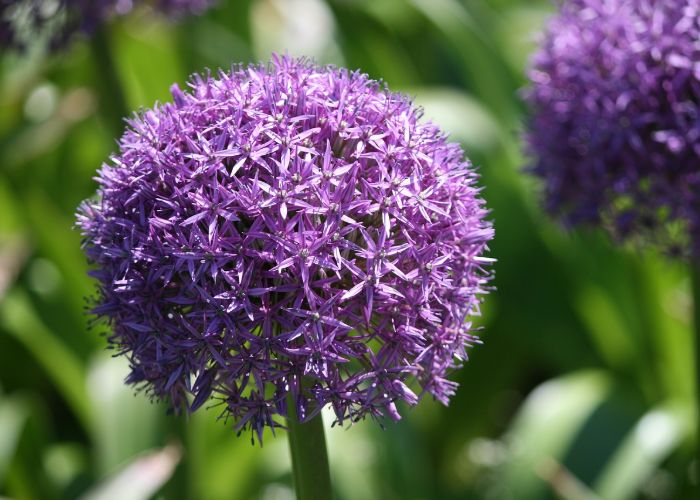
60 20
615 118
288 233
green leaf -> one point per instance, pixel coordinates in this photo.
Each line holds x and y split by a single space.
546 425
148 61
608 329
13 254
18 318
484 71
654 437
276 26
459 114
10 221
60 242
125 423
140 479
517 32
666 297
224 465
13 415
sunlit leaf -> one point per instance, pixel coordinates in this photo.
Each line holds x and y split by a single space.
140 479
459 114
277 27
125 423
656 434
547 425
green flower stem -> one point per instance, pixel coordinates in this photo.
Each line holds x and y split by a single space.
177 432
695 275
112 100
307 444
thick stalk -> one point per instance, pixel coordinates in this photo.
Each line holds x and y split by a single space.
307 444
176 431
695 276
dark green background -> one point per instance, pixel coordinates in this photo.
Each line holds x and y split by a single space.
582 389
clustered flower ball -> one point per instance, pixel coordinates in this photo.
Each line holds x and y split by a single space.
288 233
58 21
615 118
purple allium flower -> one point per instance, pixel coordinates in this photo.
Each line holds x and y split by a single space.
287 223
615 125
60 20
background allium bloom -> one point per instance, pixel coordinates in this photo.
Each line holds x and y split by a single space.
283 223
615 126
21 20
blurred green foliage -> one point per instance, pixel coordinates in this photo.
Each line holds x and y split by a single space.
582 390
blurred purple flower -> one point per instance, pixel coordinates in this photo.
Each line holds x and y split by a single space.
59 20
615 121
284 223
